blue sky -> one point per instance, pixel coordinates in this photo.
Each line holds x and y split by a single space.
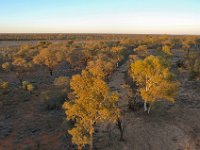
100 16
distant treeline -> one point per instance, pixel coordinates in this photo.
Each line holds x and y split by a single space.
28 37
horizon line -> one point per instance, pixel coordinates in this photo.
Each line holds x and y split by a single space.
98 33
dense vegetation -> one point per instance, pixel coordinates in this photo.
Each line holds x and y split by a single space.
71 73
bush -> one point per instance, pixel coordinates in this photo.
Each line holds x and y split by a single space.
194 67
6 66
4 85
193 75
27 86
61 81
141 48
30 87
24 84
53 100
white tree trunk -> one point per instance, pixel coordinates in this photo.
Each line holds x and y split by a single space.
145 106
149 109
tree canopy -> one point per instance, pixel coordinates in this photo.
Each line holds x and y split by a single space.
154 79
94 103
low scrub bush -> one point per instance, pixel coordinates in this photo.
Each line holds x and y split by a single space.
53 99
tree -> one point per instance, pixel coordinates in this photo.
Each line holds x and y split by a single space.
186 46
49 57
75 58
121 127
26 51
154 80
88 55
100 68
141 48
6 66
194 66
198 44
97 70
94 103
118 50
188 42
20 67
126 41
166 49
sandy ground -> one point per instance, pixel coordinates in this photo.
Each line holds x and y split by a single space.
4 44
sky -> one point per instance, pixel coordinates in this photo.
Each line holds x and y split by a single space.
100 16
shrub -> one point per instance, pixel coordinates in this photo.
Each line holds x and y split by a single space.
27 86
4 85
193 75
6 66
24 85
61 81
53 99
141 48
30 87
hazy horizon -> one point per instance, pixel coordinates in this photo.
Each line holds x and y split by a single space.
114 16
